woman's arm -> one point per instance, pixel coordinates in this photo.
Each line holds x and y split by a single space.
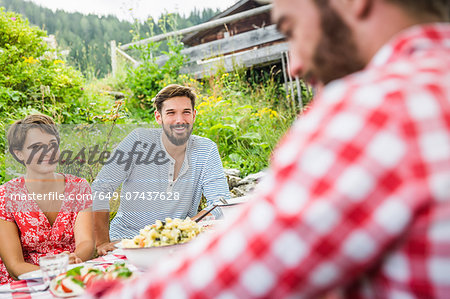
84 235
11 250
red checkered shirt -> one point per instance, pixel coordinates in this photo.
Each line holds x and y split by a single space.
357 196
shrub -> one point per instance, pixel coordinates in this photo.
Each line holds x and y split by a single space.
148 78
32 80
246 120
29 73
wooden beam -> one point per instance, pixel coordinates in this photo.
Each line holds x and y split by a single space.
261 56
204 26
113 57
228 45
135 62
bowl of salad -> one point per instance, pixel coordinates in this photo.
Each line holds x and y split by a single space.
159 240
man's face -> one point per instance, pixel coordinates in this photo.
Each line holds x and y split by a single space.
322 47
176 118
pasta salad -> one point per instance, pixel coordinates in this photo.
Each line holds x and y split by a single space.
172 231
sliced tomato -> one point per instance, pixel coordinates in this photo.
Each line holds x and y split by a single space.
90 280
65 288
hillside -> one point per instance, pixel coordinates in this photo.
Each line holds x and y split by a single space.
87 37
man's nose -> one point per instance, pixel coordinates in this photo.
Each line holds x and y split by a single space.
295 65
179 118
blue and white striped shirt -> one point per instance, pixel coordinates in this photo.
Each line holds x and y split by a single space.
148 190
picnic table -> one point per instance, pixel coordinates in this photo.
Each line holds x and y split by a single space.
102 261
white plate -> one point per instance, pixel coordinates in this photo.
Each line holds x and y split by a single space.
236 200
61 294
37 274
33 275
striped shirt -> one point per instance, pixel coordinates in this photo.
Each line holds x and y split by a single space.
148 190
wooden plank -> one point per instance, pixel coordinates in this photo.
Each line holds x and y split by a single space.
204 26
261 56
113 57
227 45
135 63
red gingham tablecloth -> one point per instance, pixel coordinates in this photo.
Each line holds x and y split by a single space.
104 261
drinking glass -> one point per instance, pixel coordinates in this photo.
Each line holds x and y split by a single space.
53 265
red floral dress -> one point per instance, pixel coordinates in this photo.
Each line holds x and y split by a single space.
37 236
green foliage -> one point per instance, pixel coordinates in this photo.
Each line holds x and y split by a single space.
148 78
87 37
29 74
33 81
244 112
246 119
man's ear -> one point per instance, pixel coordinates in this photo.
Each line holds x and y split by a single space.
354 9
194 114
158 117
361 8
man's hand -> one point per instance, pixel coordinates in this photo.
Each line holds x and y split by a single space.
104 248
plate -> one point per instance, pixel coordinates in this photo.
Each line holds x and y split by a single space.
37 274
61 294
235 201
33 275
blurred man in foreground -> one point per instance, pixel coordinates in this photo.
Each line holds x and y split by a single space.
358 195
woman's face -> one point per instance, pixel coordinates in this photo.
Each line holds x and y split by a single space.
40 151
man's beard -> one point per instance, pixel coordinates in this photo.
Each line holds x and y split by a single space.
336 54
168 130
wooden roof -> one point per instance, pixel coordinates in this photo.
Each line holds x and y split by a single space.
241 26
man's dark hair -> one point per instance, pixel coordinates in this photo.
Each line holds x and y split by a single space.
171 91
18 131
438 8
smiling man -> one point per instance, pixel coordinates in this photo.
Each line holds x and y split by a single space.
163 172
357 199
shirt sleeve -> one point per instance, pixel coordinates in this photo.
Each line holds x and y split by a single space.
331 204
114 172
5 212
215 185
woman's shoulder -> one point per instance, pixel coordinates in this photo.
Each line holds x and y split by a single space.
12 191
13 184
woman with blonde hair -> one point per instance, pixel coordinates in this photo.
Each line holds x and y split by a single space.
43 212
